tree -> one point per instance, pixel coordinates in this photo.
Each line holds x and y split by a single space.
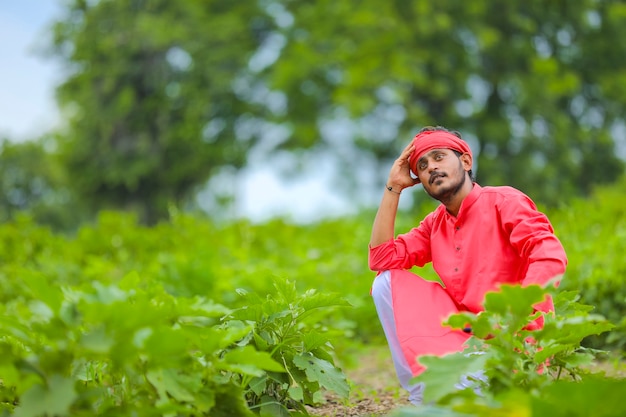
162 95
150 102
537 87
33 182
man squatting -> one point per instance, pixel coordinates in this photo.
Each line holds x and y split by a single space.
477 238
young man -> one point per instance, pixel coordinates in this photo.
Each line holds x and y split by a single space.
478 238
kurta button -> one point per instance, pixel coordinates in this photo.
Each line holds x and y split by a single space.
456 269
458 227
458 248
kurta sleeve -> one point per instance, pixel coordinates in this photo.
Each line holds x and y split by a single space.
404 252
533 237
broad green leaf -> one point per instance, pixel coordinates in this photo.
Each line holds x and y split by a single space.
252 312
10 375
209 307
272 408
313 339
323 353
285 290
551 350
109 294
229 402
572 330
565 304
166 347
55 398
41 310
97 340
591 397
514 300
258 384
296 393
443 373
253 359
322 300
324 373
579 359
17 329
261 341
232 333
180 386
511 403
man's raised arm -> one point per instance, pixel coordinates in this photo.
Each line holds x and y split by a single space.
400 178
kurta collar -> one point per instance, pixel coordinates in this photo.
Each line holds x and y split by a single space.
467 202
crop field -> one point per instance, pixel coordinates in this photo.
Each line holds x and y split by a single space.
190 317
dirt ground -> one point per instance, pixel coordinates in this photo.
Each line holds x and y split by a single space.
376 392
375 389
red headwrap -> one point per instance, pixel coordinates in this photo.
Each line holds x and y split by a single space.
435 139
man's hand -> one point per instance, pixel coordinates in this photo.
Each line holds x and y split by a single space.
399 179
400 173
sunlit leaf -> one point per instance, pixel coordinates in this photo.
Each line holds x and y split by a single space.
253 359
172 382
443 374
323 372
55 398
592 397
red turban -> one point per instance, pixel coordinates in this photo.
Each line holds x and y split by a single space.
435 139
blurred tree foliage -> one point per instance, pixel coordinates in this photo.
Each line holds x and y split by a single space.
33 182
162 95
150 100
537 87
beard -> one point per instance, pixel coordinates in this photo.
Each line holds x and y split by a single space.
446 194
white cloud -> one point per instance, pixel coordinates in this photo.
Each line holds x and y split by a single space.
264 194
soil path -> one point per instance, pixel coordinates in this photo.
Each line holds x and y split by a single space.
375 389
376 392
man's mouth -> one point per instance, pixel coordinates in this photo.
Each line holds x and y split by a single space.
435 177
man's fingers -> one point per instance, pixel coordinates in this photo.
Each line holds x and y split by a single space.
404 156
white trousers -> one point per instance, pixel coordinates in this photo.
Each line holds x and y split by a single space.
381 293
420 301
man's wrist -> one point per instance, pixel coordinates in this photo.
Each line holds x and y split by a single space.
391 189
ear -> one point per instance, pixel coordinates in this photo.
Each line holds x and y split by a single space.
466 160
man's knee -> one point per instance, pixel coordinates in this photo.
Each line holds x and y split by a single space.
381 287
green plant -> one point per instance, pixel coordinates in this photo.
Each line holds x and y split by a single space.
289 327
128 349
514 371
593 232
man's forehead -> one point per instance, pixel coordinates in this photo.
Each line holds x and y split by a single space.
432 152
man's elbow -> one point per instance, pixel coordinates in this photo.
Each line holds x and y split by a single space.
374 265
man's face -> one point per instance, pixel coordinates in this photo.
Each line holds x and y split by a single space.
442 173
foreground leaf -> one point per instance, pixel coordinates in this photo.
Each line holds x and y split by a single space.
443 373
54 399
324 373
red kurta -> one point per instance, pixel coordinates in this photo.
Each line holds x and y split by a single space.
498 237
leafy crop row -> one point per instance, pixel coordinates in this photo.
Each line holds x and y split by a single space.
130 348
511 371
191 317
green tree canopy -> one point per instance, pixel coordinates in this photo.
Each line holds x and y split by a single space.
32 181
150 101
537 87
161 95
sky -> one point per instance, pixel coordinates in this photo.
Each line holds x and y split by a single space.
27 80
28 109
